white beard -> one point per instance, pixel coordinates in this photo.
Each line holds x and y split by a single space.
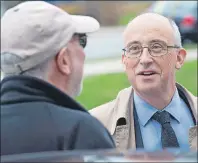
75 85
76 89
79 89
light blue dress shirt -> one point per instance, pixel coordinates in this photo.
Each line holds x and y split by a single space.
181 121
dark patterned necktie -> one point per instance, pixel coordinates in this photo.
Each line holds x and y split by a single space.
168 137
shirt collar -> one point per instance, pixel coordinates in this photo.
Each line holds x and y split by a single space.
174 105
145 111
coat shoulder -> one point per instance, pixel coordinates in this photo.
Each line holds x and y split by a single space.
193 137
104 108
105 111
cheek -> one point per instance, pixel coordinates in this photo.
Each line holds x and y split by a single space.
168 59
81 54
81 59
78 65
167 64
130 66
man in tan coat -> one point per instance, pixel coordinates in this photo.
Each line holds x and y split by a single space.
155 112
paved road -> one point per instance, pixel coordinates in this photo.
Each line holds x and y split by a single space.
105 43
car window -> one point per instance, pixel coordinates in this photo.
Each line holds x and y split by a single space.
175 8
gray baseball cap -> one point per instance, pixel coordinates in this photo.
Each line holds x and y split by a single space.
37 30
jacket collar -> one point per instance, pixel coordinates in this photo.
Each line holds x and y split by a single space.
191 99
121 105
19 88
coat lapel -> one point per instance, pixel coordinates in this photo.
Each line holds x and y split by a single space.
193 106
124 135
132 141
193 137
121 137
191 99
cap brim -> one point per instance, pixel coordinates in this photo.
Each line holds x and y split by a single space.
85 24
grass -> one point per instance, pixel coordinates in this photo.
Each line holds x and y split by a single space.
187 76
125 19
130 10
190 46
103 88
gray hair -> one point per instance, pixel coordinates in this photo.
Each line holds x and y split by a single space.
39 71
176 31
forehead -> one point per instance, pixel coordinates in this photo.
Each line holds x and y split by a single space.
144 31
149 43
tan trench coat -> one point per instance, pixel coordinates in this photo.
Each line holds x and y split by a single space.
124 135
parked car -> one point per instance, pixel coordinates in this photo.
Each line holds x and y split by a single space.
184 13
103 156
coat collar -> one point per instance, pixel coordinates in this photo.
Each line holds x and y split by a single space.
19 88
192 100
122 105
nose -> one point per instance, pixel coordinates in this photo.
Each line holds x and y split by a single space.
146 59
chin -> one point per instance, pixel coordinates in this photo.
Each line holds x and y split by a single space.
148 88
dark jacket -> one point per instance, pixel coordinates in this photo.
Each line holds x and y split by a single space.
36 116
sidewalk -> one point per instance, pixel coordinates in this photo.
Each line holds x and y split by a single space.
115 65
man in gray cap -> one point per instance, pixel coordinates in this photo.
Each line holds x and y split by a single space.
42 60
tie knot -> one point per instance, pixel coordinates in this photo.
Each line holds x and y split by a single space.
162 117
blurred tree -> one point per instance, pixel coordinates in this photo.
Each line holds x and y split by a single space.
106 12
92 8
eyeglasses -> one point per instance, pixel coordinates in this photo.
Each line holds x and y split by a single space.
82 39
155 49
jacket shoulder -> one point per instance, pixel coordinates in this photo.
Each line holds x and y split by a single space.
105 111
77 125
99 138
192 98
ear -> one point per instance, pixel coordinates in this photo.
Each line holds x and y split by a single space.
123 58
180 58
63 62
124 62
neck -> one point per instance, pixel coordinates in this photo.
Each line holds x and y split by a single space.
158 99
60 83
